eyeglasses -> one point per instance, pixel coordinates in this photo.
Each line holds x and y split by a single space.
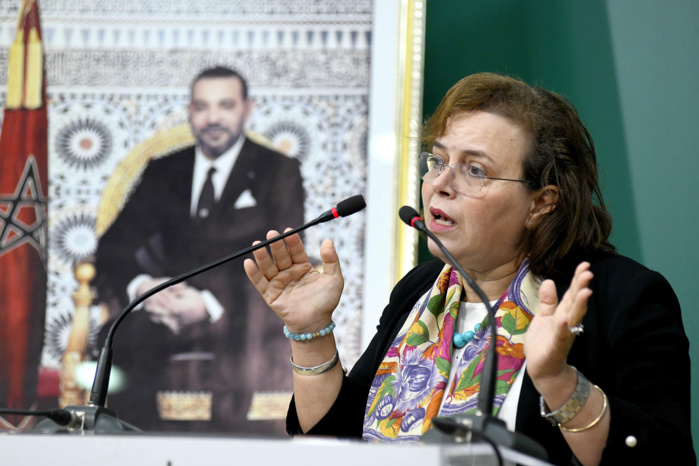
464 178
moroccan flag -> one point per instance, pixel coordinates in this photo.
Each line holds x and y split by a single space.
23 224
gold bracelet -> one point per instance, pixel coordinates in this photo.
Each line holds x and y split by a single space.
593 423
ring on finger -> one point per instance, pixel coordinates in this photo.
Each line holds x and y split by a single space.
576 329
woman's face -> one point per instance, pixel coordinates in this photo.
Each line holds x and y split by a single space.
484 231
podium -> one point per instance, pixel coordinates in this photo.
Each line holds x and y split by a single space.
188 450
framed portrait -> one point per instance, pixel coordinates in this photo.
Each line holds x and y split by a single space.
334 86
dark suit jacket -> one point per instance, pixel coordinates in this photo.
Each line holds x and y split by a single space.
155 234
634 347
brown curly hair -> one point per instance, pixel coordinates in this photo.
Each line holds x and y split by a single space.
562 154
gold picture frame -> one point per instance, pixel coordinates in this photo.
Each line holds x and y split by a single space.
395 115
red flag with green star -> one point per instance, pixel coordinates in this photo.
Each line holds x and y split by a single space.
23 223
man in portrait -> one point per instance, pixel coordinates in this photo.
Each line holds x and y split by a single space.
196 353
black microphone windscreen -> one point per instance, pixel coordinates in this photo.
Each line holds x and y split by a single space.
350 206
407 214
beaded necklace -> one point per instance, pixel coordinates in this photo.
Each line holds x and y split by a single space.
461 339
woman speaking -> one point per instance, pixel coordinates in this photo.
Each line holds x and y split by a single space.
592 356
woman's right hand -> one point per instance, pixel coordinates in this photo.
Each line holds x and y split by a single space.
300 295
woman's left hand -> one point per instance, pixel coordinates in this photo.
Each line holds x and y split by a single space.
549 337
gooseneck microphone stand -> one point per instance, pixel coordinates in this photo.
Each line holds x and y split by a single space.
96 417
482 424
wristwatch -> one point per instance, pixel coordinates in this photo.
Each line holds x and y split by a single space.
571 407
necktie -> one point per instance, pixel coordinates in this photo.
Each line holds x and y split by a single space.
206 198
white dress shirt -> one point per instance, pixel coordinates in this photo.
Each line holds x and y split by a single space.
223 165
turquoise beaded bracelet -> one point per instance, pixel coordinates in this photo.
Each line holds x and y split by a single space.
308 336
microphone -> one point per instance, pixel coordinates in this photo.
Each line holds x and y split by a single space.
410 217
483 424
62 417
98 394
345 208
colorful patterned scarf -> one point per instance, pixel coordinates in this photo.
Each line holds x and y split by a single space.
409 385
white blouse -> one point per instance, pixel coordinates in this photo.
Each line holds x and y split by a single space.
471 314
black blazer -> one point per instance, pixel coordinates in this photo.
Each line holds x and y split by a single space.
155 234
634 347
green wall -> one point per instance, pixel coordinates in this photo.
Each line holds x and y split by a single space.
630 67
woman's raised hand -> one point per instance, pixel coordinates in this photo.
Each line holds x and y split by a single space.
549 337
300 295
